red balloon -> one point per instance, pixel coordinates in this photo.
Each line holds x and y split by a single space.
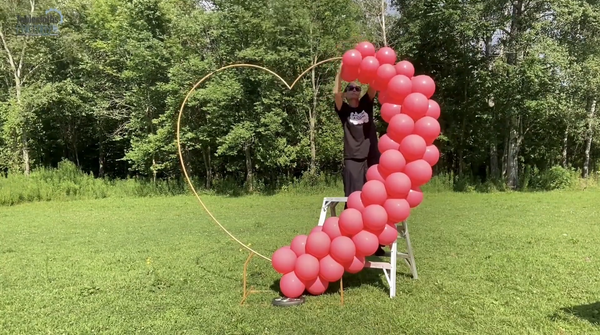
350 222
433 110
372 174
391 161
382 172
299 245
398 185
423 84
355 200
330 270
364 78
352 58
383 97
317 286
349 74
415 105
398 210
432 155
366 243
386 55
365 48
385 144
291 286
316 229
317 244
413 147
405 68
331 227
419 172
384 73
428 128
399 87
415 197
368 67
388 111
373 193
357 265
388 235
401 125
375 218
342 250
307 267
284 260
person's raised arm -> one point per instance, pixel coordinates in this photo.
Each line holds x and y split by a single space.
337 89
371 92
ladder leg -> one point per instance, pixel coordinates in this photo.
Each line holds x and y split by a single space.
323 212
394 264
411 255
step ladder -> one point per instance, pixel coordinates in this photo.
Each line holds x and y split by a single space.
389 268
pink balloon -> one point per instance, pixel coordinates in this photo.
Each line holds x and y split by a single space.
284 260
398 185
392 161
428 128
317 244
373 193
317 286
307 267
373 174
432 155
398 210
331 227
365 78
355 200
415 105
423 84
382 172
368 68
415 197
433 110
388 111
291 286
413 147
401 125
388 235
366 243
342 250
419 172
405 68
365 48
357 265
330 270
384 73
385 144
352 58
386 55
350 221
316 229
383 97
375 218
349 74
399 87
298 245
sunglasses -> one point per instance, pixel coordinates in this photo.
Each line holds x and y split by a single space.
353 88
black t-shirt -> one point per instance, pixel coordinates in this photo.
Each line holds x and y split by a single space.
360 136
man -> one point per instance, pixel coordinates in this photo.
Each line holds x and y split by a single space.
360 135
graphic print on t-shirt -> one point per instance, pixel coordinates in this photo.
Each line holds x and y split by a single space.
358 118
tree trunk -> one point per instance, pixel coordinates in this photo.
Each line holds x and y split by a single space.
565 147
589 137
249 174
312 114
494 171
24 135
207 166
101 161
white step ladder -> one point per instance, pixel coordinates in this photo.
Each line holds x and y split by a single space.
389 269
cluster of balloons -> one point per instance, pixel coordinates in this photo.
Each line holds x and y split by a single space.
408 154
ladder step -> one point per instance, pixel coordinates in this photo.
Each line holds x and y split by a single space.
378 265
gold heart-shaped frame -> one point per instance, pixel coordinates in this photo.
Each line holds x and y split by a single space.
179 128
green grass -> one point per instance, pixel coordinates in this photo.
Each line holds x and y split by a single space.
499 263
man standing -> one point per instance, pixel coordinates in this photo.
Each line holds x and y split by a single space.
360 135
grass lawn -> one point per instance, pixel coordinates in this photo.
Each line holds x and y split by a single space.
488 264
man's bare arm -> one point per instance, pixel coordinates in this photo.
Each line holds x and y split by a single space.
337 89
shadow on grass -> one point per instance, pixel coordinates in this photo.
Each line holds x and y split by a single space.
590 312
